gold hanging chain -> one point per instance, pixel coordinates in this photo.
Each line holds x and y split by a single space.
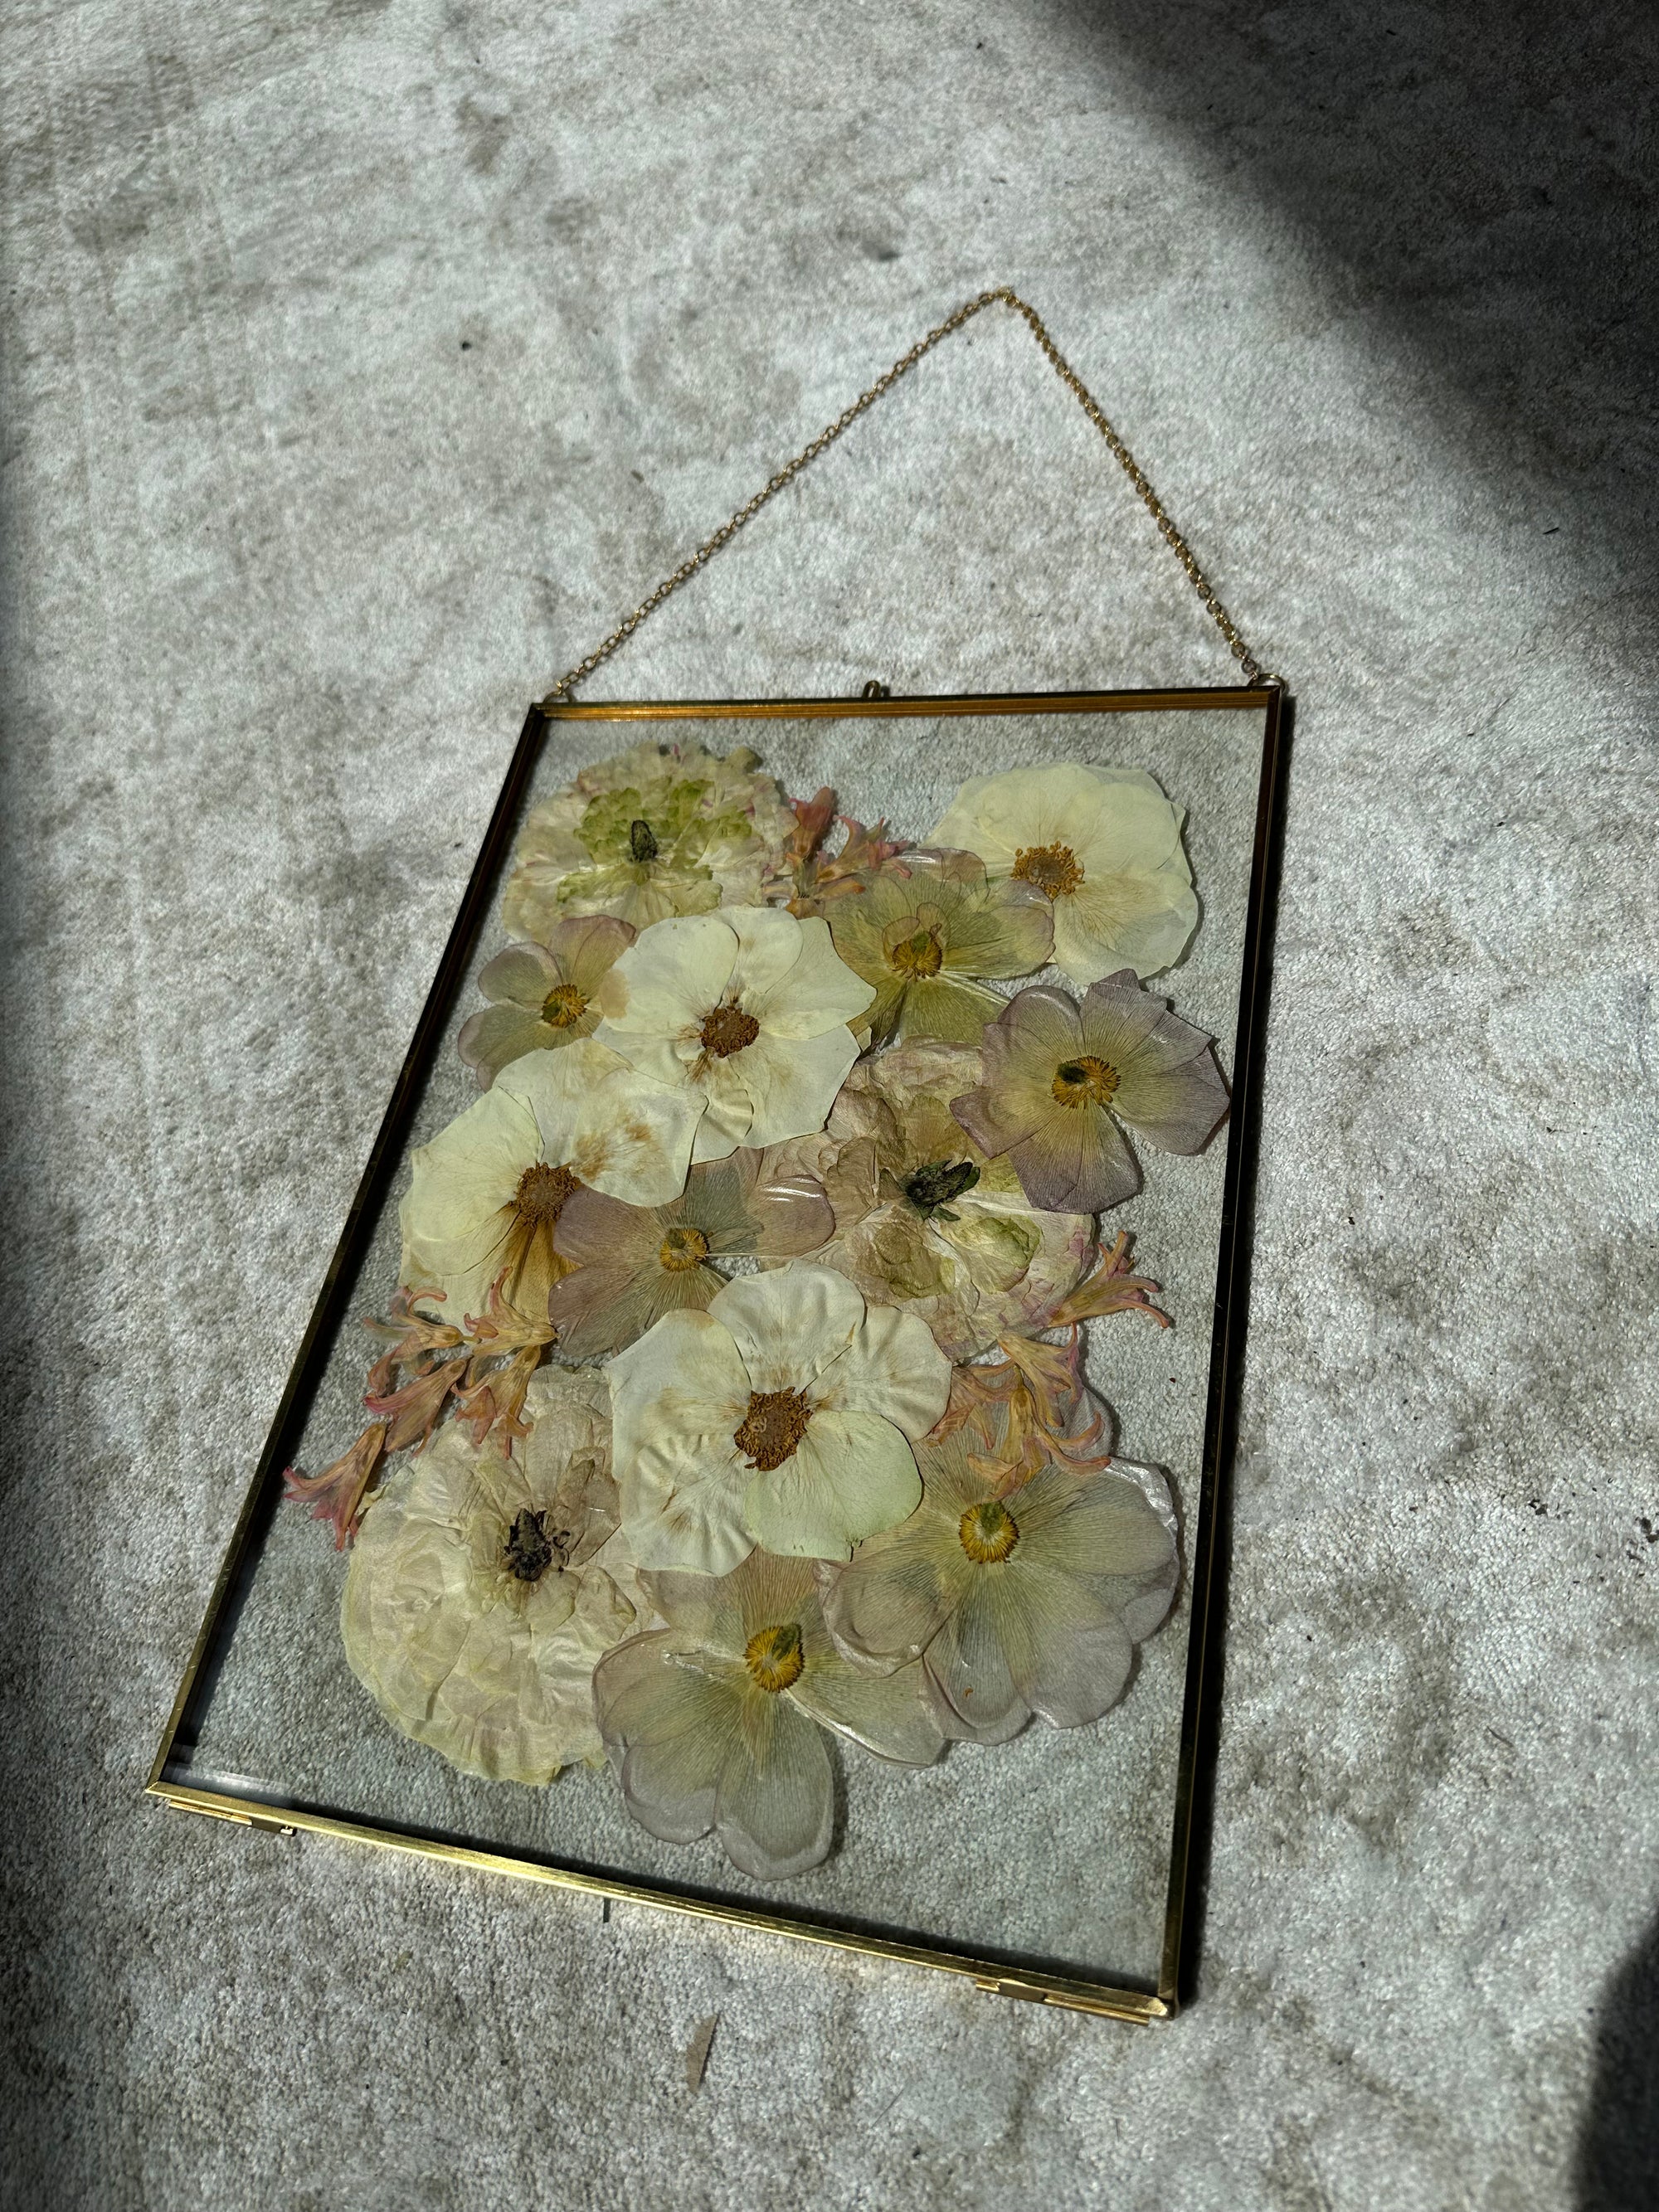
1250 668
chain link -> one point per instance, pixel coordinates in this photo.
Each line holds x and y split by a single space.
1249 666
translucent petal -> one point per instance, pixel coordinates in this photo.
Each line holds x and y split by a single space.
891 1714
1068 1655
947 1007
670 1730
1177 1110
524 972
775 1806
970 1669
892 1597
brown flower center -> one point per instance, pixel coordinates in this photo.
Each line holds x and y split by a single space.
529 1550
727 1030
681 1249
564 1005
641 842
1085 1082
1055 869
775 1424
932 1188
988 1531
541 1192
919 954
774 1656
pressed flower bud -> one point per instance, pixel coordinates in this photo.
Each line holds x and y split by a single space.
774 1656
988 1531
938 1182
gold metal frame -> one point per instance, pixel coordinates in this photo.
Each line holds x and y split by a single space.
1189 1834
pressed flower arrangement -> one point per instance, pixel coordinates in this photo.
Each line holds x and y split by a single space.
731 1400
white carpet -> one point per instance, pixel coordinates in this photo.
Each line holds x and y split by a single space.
364 363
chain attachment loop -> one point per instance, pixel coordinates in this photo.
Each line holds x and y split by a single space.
1249 667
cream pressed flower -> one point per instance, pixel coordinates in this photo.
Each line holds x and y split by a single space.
746 1012
541 995
634 1264
945 1231
922 930
1060 1075
1022 1600
716 1722
1102 845
654 832
487 1192
783 1416
482 1590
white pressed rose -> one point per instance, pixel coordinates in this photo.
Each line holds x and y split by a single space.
1101 844
746 1011
783 1416
487 1191
483 1591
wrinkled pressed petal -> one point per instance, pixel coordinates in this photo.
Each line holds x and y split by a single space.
1077 1163
788 1325
619 1132
774 1088
667 980
816 991
769 951
670 1729
1144 919
850 1476
891 1367
890 1714
678 1397
1009 935
775 1805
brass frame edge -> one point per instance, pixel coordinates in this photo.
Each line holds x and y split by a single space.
1103 1999
1100 1998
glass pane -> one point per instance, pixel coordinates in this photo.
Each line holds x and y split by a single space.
1051 1848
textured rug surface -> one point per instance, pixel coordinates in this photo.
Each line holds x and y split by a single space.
364 362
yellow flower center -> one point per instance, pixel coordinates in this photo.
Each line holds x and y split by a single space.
988 1531
773 1425
682 1248
1055 869
774 1656
726 1029
563 1005
1087 1081
918 955
541 1192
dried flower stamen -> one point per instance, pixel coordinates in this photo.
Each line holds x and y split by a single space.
641 842
541 1192
727 1030
770 1430
774 1656
920 954
563 1005
1086 1081
1055 869
682 1248
529 1550
988 1531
